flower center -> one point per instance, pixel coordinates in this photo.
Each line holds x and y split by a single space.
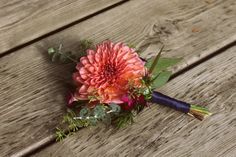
109 70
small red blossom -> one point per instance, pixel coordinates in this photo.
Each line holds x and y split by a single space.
70 99
129 103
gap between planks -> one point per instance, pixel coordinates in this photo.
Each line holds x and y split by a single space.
193 62
56 30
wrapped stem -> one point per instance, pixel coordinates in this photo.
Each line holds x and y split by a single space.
192 110
199 112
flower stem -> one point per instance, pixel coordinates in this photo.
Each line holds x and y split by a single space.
199 112
59 51
192 110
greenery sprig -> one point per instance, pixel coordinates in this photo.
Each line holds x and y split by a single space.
58 55
75 120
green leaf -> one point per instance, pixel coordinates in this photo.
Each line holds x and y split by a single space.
51 51
161 79
155 61
163 64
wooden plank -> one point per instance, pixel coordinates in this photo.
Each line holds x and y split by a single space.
161 131
22 20
33 89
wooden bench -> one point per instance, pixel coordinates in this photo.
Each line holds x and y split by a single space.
203 33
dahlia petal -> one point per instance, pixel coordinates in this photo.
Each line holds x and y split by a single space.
92 82
78 66
91 58
84 60
127 49
75 75
132 60
117 46
97 57
83 71
77 78
91 52
91 69
70 99
81 97
87 81
84 76
115 101
83 89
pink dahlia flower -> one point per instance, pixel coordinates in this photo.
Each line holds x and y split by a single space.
107 72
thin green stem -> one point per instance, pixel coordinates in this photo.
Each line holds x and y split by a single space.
59 51
199 112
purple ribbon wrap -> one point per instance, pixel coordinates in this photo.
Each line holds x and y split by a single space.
162 99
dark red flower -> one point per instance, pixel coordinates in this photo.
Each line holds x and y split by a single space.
130 103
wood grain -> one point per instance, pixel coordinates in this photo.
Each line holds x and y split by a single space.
24 20
33 89
161 131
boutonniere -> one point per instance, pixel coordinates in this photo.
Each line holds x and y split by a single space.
112 84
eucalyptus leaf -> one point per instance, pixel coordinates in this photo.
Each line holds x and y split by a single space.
162 64
93 121
99 111
115 108
51 51
161 79
83 112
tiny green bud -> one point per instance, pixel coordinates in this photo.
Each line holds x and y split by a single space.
51 51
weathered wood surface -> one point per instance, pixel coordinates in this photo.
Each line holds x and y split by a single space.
161 131
24 20
33 89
